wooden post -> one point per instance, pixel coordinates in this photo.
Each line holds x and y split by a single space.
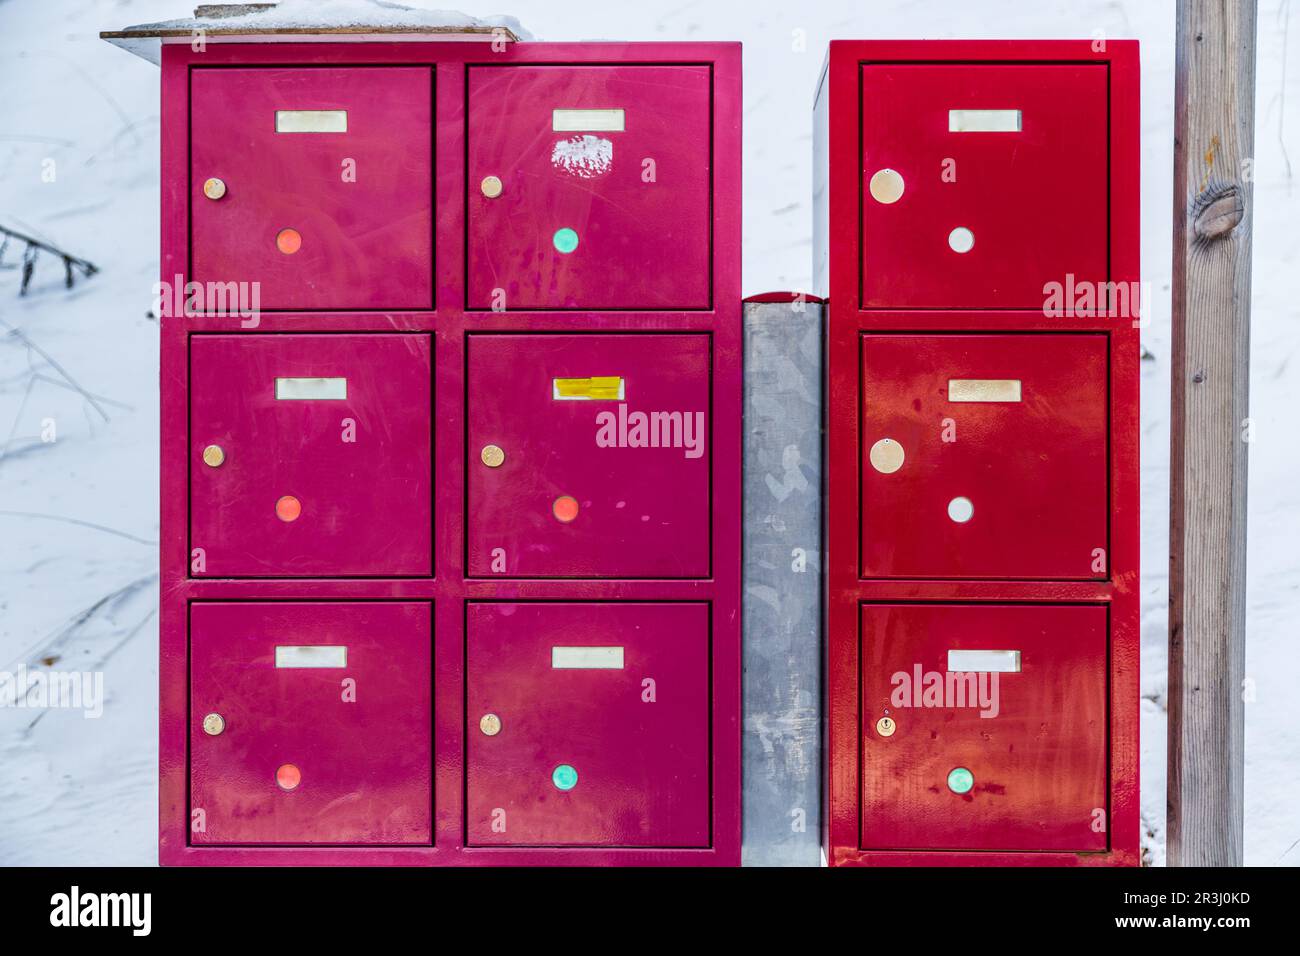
1214 123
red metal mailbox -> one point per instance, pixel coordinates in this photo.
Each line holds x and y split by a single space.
315 183
993 733
592 455
309 723
977 240
473 431
980 185
970 441
588 724
589 187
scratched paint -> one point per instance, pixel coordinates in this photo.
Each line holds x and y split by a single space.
584 156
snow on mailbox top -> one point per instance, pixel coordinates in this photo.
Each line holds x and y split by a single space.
304 19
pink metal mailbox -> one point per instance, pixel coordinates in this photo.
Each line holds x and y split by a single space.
310 455
450 450
589 187
315 183
309 723
588 724
593 455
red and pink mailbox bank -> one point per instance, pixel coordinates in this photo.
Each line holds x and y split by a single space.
451 455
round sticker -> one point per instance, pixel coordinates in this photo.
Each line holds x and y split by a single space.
288 508
564 777
565 508
566 240
960 780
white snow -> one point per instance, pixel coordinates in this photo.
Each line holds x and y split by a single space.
291 14
79 516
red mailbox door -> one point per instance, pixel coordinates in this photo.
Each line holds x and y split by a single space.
589 455
984 727
310 455
981 183
310 723
316 183
589 187
588 724
984 456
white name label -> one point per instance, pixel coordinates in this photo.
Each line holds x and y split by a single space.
991 662
587 658
306 389
311 121
984 121
311 655
587 121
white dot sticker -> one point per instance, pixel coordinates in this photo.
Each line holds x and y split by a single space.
960 510
961 239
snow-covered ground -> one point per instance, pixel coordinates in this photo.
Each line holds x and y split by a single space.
78 514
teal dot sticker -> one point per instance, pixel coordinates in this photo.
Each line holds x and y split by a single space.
566 240
564 777
960 780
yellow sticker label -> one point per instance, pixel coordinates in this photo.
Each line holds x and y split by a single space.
598 387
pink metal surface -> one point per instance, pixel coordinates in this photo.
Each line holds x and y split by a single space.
1035 200
361 199
637 736
1034 741
359 467
637 199
357 735
451 587
643 511
1034 470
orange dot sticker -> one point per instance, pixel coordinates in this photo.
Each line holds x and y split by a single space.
288 241
288 508
288 777
565 508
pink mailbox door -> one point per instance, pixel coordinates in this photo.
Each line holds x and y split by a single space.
310 455
316 183
982 183
589 187
984 456
588 724
589 455
984 727
310 723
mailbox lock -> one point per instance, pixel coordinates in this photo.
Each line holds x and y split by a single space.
213 724
492 456
886 456
214 188
886 186
490 724
491 187
213 456
885 726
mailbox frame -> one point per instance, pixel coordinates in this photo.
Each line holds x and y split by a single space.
449 323
838 187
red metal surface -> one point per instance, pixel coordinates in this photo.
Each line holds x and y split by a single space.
359 467
451 587
1035 200
357 735
633 195
362 201
637 736
1034 470
995 301
642 511
1034 741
